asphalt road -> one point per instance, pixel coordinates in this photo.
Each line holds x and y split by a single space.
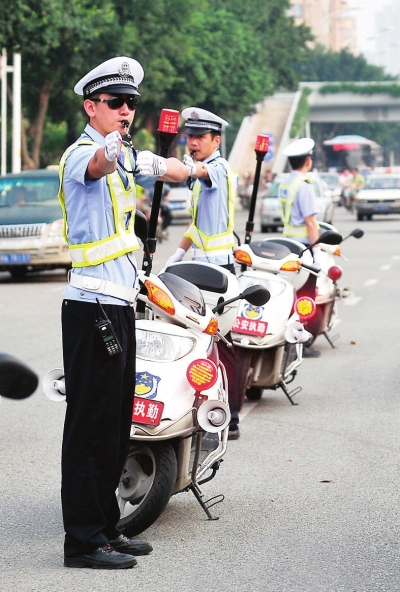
311 491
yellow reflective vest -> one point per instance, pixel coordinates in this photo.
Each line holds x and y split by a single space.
217 244
287 194
123 201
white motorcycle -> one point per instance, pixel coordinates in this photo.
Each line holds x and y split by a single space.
328 291
180 411
270 337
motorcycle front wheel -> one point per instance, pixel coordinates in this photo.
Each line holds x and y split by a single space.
146 485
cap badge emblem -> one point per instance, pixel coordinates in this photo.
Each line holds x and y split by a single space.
194 115
124 69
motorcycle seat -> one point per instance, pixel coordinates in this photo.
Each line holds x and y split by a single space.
202 276
276 249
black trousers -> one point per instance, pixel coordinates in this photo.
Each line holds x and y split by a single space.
97 424
228 358
227 355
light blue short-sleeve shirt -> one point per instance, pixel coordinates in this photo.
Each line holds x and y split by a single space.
305 203
212 212
90 218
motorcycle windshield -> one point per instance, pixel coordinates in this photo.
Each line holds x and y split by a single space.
274 285
186 293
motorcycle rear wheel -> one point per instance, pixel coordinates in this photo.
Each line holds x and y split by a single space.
146 485
254 393
245 373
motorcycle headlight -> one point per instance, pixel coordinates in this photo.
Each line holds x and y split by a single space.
160 347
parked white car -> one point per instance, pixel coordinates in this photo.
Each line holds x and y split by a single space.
380 195
270 210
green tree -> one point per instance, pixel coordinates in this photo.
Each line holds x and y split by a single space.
224 55
55 39
322 64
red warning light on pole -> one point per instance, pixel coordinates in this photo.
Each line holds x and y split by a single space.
169 120
262 143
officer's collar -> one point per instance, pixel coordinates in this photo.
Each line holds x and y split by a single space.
212 156
94 135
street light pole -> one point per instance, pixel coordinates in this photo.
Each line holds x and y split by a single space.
16 112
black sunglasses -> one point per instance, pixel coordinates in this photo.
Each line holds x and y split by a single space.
117 102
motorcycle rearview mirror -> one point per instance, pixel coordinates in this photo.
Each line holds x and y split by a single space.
357 233
17 381
141 226
329 237
256 295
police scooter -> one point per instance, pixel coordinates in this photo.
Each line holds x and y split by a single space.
328 291
269 337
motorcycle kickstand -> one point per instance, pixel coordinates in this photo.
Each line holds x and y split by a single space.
290 394
330 341
206 504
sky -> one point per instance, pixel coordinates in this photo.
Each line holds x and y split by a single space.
366 13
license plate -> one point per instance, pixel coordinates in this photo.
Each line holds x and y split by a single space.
247 327
147 411
15 258
381 208
176 206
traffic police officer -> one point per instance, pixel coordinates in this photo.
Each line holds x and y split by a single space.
299 208
98 174
213 209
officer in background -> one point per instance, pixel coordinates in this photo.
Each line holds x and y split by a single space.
98 176
299 208
213 210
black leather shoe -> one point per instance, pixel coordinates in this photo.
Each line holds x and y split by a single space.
130 547
234 434
103 557
308 352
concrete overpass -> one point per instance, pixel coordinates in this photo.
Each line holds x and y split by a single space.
277 115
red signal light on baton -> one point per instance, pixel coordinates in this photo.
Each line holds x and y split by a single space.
262 143
169 120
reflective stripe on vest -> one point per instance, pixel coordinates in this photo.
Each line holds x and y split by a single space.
123 201
213 245
286 194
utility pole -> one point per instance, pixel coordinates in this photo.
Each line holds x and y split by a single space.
15 69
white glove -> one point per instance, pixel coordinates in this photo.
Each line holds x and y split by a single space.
189 162
150 164
318 258
177 256
113 143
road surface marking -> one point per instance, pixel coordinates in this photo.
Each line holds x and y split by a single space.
352 300
371 282
385 267
396 257
247 407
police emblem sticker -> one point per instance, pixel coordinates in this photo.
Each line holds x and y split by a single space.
252 312
146 385
124 69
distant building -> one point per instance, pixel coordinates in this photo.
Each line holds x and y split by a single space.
331 22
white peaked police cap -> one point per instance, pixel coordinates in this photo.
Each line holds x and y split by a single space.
199 121
302 147
118 75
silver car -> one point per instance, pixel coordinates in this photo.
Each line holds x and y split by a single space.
380 195
270 209
31 223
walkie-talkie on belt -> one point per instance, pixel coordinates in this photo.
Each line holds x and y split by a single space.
106 332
